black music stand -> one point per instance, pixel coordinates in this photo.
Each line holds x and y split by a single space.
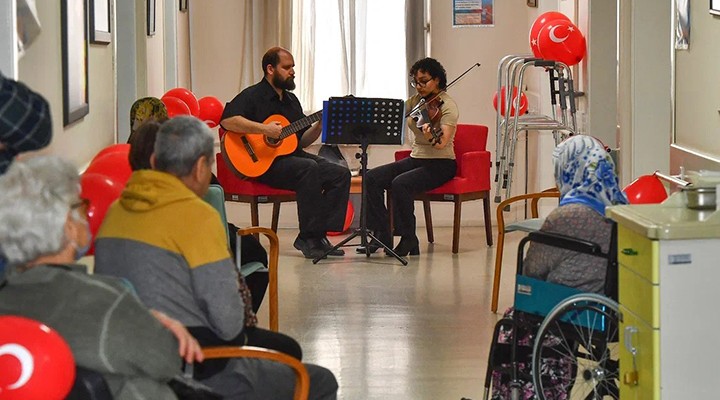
363 121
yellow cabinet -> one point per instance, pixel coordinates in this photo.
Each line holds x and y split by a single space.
668 277
638 253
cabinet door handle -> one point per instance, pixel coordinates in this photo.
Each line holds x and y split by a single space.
629 252
631 377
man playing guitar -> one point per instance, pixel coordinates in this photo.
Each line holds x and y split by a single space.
322 187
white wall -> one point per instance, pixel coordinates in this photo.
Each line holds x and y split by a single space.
697 100
41 69
155 52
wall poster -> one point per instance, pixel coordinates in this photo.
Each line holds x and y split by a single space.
468 13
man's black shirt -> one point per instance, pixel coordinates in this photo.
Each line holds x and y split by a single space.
260 101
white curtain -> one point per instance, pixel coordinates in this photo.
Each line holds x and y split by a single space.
353 25
357 47
267 23
303 49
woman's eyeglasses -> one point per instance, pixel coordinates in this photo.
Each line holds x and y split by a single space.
419 83
83 205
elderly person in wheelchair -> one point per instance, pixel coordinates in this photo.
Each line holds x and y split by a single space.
43 231
585 176
571 254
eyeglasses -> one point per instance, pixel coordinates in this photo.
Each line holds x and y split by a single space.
83 205
420 83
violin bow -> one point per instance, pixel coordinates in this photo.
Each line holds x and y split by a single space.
422 104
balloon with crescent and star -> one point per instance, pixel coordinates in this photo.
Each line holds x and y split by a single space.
35 361
540 21
561 40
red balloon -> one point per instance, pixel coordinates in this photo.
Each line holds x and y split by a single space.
35 361
537 26
562 41
349 216
115 148
175 106
187 97
211 110
101 191
647 189
115 166
523 102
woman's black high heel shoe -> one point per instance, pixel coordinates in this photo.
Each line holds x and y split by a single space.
374 246
409 245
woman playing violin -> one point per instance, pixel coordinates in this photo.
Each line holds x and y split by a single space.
431 163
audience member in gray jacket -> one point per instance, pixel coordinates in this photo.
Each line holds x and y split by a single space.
171 245
43 230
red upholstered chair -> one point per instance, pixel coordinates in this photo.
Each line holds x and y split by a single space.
471 182
251 192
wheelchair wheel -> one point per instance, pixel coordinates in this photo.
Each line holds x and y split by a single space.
575 355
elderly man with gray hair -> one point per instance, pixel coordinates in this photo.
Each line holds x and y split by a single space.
162 237
43 230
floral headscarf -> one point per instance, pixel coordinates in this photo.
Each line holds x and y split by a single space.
145 109
585 174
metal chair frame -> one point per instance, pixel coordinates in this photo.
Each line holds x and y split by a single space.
511 74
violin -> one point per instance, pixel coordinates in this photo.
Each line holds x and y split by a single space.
428 111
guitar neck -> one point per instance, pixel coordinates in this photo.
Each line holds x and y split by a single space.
300 124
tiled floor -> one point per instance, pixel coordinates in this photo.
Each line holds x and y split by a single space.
393 332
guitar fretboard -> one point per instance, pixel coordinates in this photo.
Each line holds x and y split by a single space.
299 124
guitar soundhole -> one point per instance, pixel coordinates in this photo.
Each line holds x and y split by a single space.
272 142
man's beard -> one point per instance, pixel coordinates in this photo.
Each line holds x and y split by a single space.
286 84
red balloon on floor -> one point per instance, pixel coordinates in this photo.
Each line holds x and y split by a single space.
187 97
35 361
349 216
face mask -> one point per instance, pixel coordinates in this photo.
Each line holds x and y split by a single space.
2 267
81 251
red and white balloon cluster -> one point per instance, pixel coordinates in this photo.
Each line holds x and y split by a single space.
180 101
554 37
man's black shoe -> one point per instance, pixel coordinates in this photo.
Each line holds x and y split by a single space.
311 248
327 246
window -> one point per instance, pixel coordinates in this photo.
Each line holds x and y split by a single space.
349 47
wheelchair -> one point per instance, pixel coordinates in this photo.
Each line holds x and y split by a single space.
558 342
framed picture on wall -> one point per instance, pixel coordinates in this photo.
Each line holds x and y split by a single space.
150 17
75 60
715 7
100 21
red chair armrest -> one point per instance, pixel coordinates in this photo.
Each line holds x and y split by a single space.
401 154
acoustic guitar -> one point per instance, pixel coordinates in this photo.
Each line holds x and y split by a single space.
251 154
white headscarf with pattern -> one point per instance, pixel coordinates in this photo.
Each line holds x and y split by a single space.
585 174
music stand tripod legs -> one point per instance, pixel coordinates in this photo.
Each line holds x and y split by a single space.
363 231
